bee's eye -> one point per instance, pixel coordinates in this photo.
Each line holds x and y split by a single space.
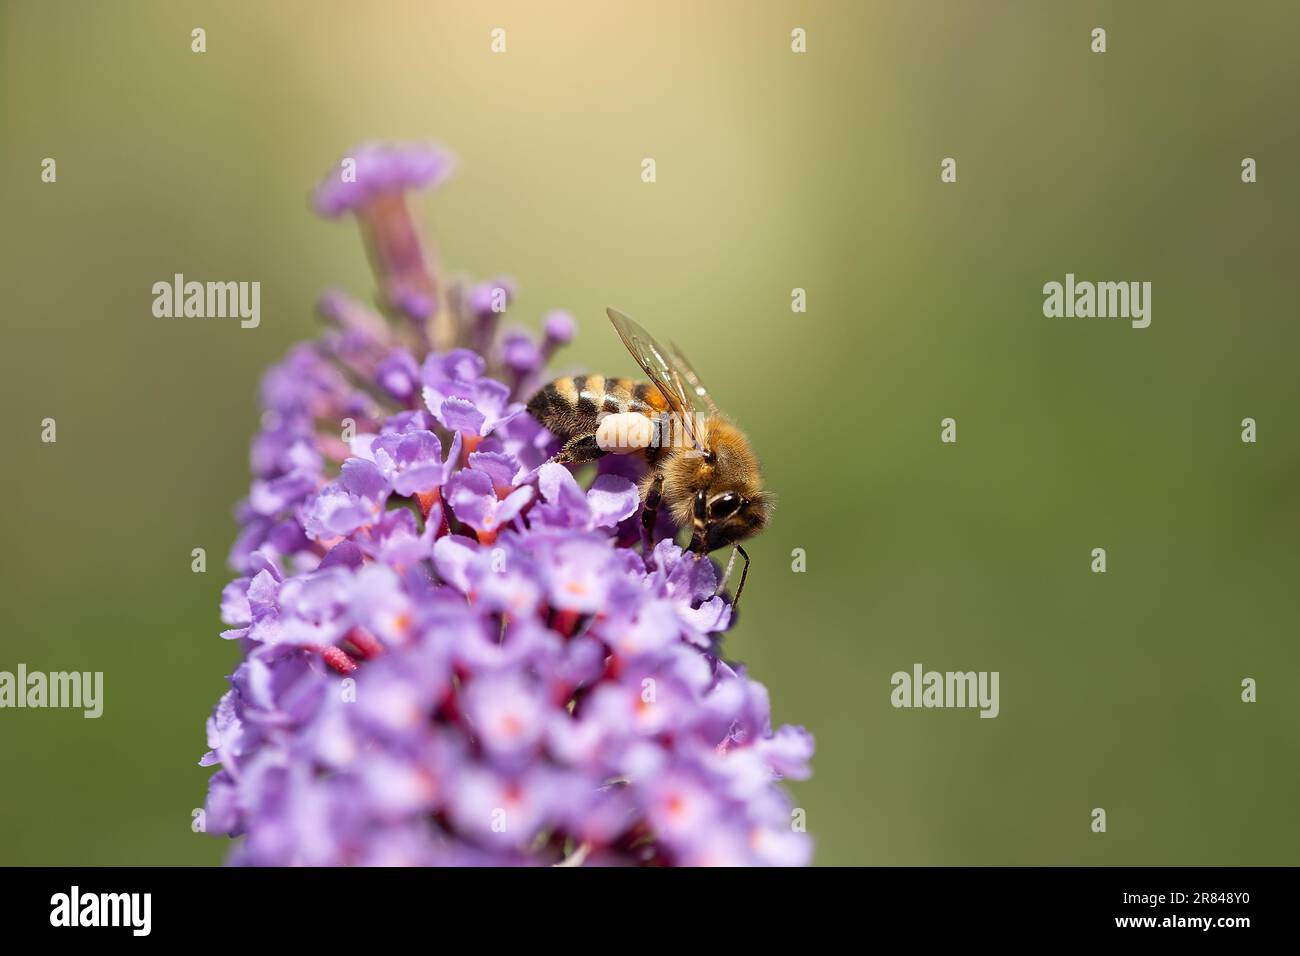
725 505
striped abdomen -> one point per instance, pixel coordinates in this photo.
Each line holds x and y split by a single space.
571 406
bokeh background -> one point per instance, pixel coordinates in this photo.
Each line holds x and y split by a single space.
775 171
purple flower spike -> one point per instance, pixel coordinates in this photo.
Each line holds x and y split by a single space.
454 653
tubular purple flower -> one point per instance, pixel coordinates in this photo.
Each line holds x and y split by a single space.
371 182
560 327
486 303
373 170
452 652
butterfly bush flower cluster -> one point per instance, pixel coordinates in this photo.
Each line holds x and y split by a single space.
452 652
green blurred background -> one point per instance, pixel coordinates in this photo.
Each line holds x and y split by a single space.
775 171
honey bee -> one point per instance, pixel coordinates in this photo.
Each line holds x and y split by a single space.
700 465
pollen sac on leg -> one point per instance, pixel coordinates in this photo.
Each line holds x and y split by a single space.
623 433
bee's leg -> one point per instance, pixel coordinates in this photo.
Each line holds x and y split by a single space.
650 514
698 528
735 604
578 450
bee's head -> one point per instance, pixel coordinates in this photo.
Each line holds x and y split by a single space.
729 504
726 518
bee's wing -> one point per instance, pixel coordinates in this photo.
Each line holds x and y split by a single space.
693 379
665 376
